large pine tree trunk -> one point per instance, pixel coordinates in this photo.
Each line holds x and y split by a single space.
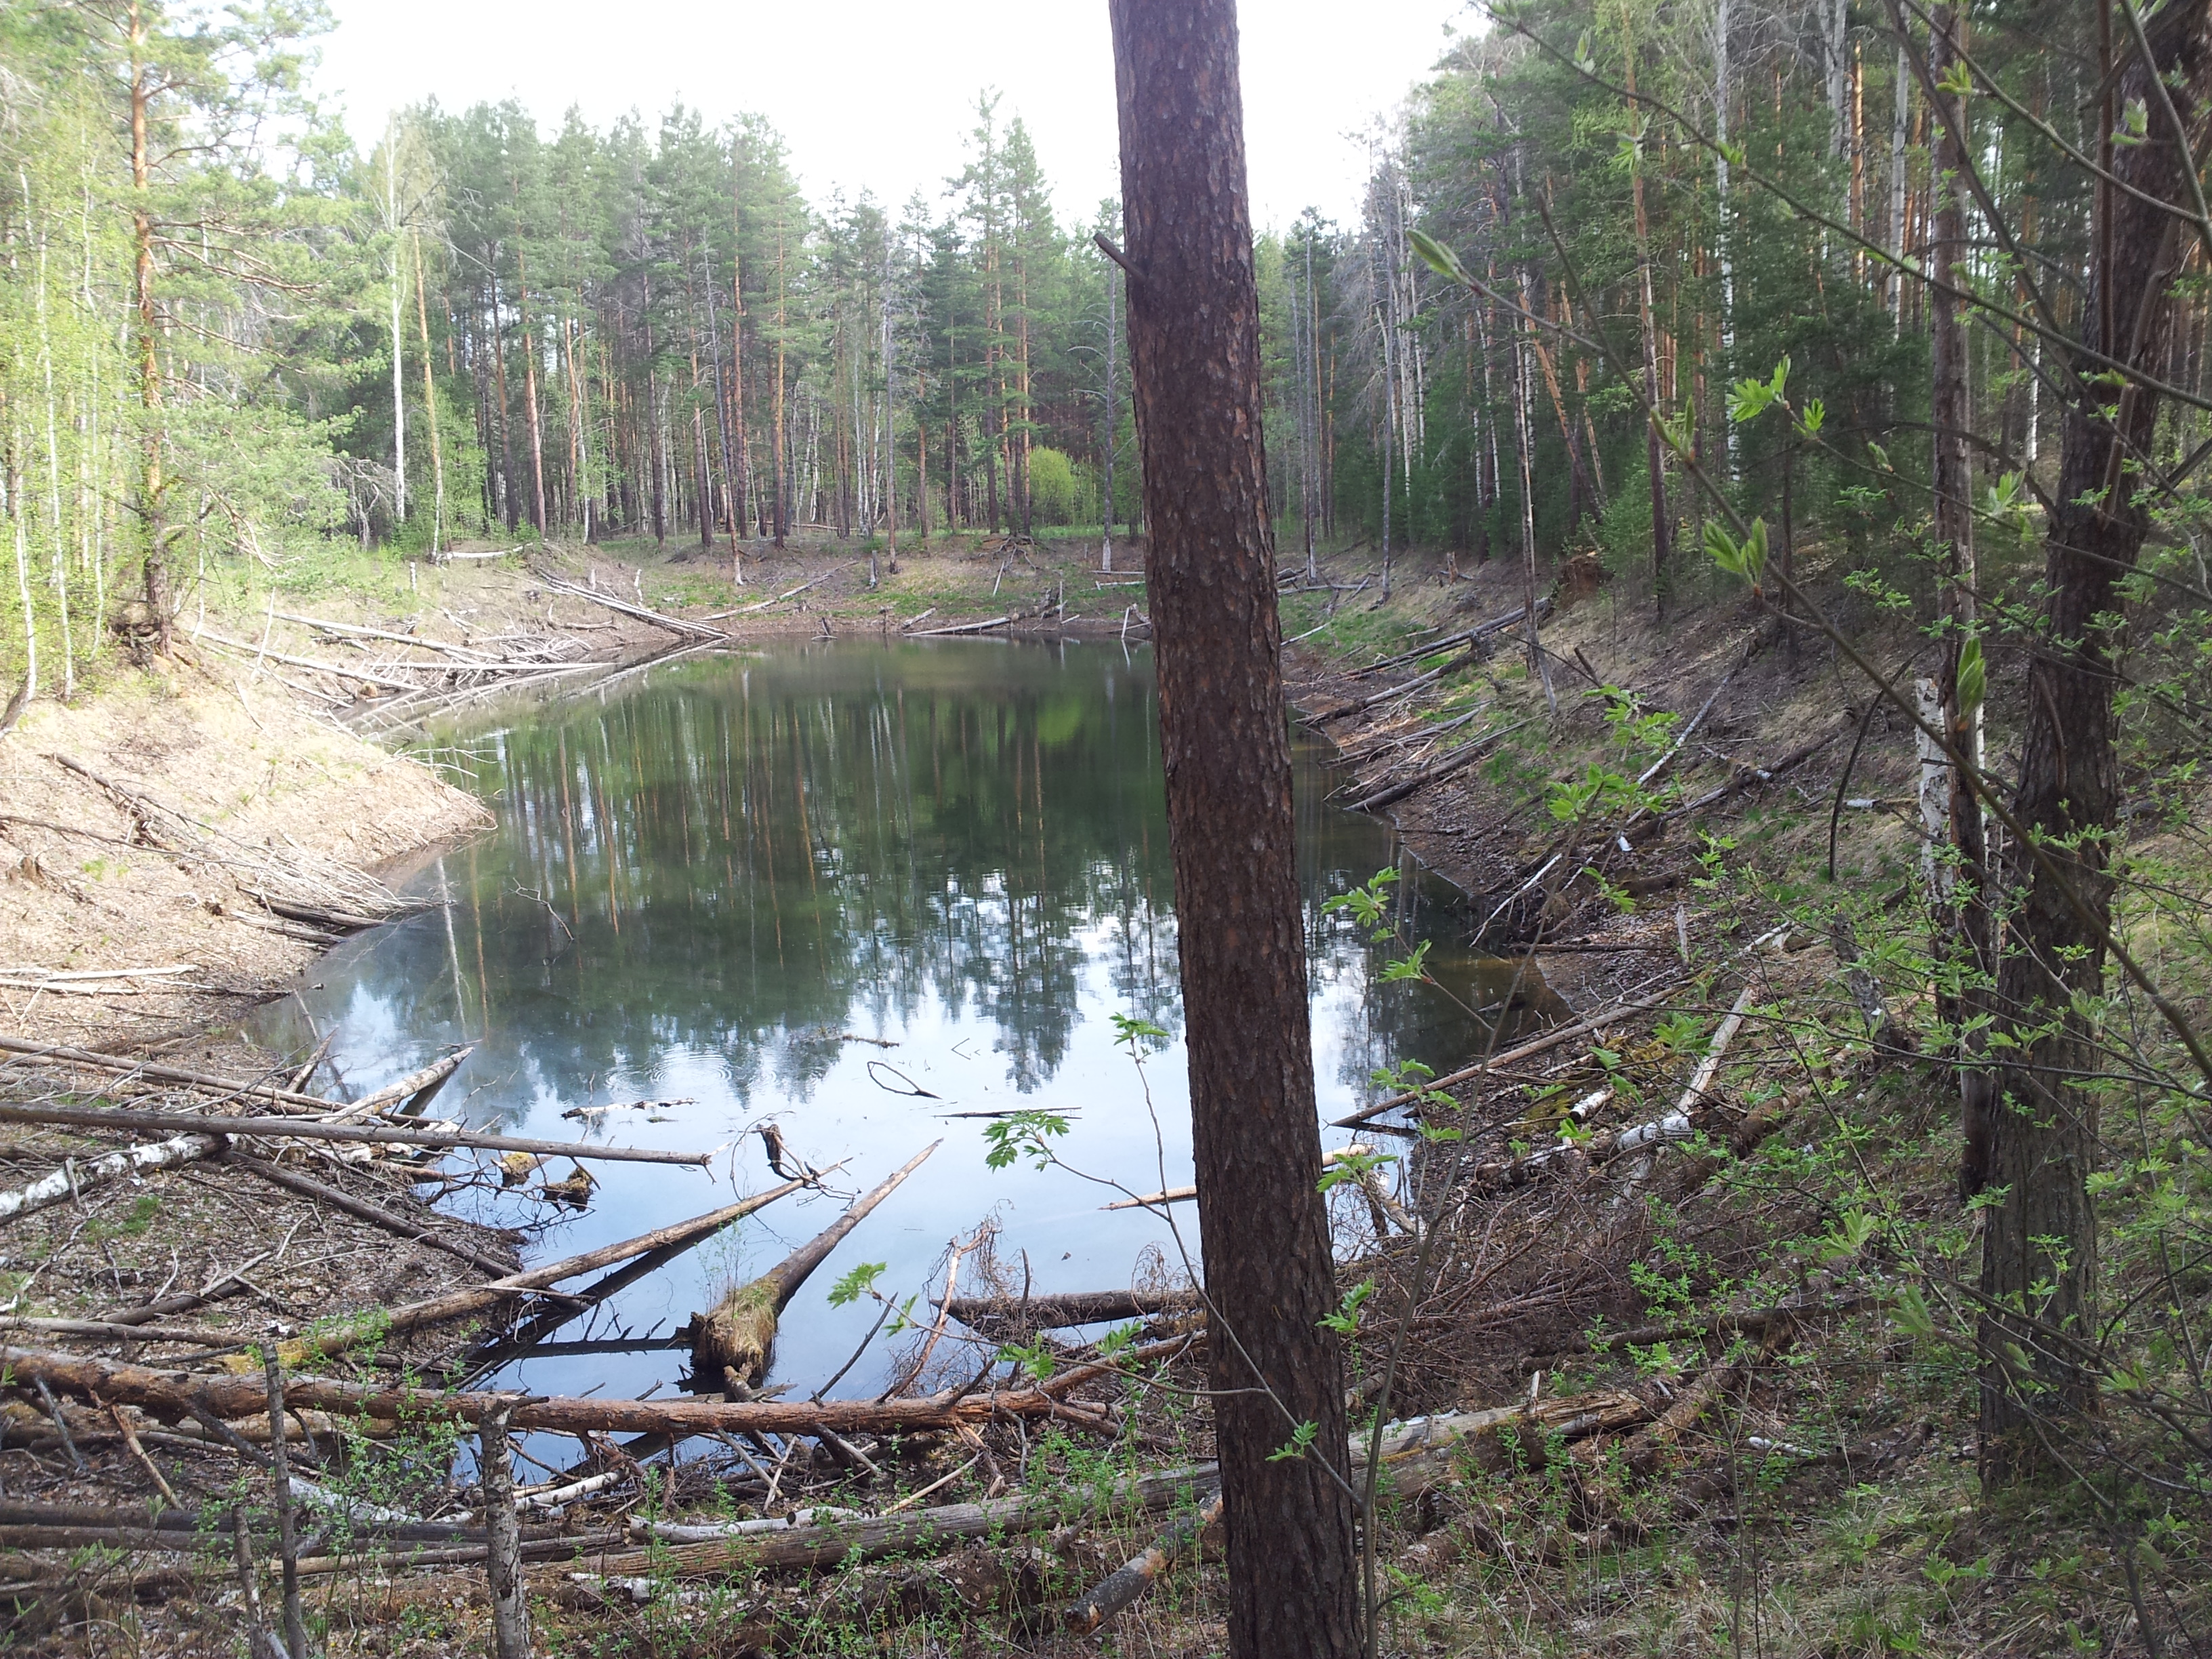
1194 347
2039 1246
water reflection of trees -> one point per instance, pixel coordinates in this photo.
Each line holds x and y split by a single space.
751 858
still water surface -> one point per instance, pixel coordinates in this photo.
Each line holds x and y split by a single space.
726 884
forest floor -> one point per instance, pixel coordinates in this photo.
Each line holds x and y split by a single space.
1786 1472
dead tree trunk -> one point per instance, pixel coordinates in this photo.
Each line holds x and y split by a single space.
2039 1248
1195 349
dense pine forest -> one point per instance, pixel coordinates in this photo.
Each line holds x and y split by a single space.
230 332
1839 370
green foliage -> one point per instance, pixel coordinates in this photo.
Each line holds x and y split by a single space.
857 1284
1028 1133
1055 496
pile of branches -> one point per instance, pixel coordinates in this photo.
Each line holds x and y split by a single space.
289 881
395 676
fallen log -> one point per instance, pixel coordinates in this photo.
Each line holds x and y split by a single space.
1753 1320
1745 777
73 1177
1043 1313
354 629
481 1298
1496 624
1123 1587
360 1209
108 1331
1416 1455
1589 1026
1459 760
1361 705
54 1054
674 624
337 671
1695 1097
412 1093
788 593
530 1336
1184 1194
869 1538
961 627
117 1117
171 1395
26 1512
734 1339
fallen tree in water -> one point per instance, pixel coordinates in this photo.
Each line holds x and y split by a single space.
731 1342
1044 1313
380 1323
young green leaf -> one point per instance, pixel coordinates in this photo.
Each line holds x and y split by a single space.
857 1284
1438 257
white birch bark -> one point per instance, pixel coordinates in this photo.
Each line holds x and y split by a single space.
1935 790
55 1189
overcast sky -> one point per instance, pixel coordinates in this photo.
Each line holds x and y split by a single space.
879 94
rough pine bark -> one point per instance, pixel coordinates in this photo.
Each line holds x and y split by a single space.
2039 1245
1194 349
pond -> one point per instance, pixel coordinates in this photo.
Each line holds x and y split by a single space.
868 893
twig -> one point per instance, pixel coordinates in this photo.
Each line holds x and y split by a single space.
288 1542
130 1445
61 1425
397 1225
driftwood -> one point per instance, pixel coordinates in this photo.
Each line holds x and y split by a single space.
73 1177
482 1298
117 1117
961 627
734 1339
399 1226
1044 1313
530 1335
412 1093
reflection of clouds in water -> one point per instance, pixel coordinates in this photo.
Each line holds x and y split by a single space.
704 881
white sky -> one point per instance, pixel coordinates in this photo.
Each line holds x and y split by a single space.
879 94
